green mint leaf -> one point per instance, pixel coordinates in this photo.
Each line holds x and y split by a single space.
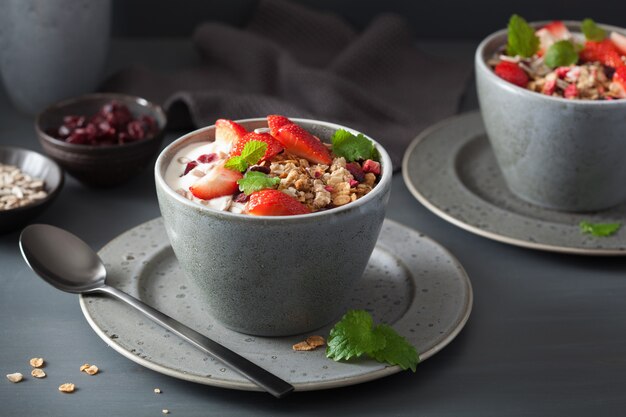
236 163
397 350
522 40
255 181
561 54
253 151
352 337
353 148
592 31
599 229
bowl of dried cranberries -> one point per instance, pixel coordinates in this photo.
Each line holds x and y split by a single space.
102 139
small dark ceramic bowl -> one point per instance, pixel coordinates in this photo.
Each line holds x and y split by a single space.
100 166
38 166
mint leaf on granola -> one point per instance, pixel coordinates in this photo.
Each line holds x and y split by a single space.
522 40
251 154
254 181
355 335
592 31
397 350
599 229
353 148
561 54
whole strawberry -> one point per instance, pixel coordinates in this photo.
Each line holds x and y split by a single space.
512 73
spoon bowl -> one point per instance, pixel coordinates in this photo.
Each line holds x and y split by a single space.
69 264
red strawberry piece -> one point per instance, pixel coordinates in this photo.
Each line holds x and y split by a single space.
273 146
207 158
619 41
371 166
218 182
570 91
228 132
604 52
274 203
551 33
190 165
299 142
512 73
353 183
561 72
619 78
275 122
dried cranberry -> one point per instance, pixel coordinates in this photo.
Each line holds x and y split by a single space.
241 198
371 166
207 158
356 171
353 183
190 165
329 188
135 130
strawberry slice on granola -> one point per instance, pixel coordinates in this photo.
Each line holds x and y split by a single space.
550 34
604 52
218 182
274 203
274 147
301 143
275 122
618 87
227 133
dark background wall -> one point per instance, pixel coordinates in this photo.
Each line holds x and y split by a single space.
471 19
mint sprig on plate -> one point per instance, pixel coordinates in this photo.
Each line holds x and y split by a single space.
522 40
355 336
599 229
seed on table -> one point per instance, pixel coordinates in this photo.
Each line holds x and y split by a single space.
166 411
15 377
36 362
157 390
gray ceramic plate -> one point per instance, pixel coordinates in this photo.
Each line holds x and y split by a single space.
451 169
410 282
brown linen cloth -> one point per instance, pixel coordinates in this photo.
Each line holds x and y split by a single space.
298 62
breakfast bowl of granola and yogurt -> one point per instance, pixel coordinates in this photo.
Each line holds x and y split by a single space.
273 219
553 98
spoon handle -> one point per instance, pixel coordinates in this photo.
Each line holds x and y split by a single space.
263 378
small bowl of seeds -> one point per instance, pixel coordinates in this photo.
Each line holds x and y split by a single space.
29 182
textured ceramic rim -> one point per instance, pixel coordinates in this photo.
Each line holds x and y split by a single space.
474 229
51 193
524 92
154 108
385 179
309 386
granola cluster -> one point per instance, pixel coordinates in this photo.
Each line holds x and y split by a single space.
320 186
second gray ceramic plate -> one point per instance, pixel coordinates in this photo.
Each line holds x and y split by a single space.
451 169
411 283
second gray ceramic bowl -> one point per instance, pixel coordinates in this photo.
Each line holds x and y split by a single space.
557 153
272 276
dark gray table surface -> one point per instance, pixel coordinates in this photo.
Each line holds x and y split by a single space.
547 335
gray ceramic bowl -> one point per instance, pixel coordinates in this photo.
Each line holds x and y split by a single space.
100 166
35 165
272 276
558 153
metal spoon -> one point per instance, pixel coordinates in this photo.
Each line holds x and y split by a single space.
69 264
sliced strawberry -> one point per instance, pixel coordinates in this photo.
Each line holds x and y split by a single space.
227 133
218 182
604 52
551 33
273 146
275 122
619 41
512 73
274 203
619 78
571 91
299 142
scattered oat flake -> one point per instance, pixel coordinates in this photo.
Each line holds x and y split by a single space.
15 378
38 373
310 343
36 362
166 411
68 387
85 366
157 390
91 370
